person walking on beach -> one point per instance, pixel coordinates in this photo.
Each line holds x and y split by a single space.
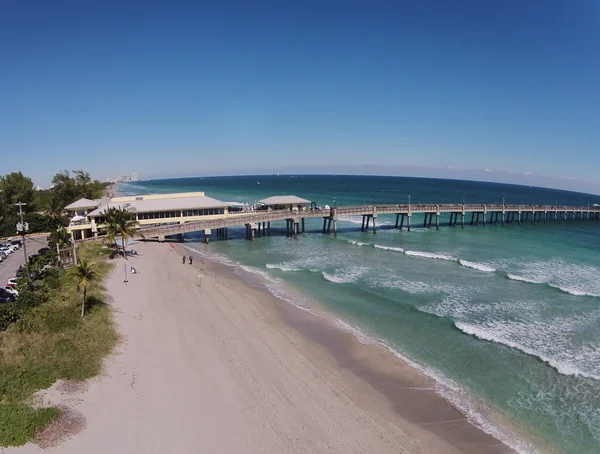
190 259
183 260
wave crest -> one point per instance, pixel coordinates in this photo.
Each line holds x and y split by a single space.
282 267
563 367
388 248
431 255
477 266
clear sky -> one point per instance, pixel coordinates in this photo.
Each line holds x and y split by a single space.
189 88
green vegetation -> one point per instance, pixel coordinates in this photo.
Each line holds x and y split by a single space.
45 209
47 339
120 221
84 273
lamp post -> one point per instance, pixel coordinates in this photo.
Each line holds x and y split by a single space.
409 203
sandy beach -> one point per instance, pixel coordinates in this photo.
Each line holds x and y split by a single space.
211 365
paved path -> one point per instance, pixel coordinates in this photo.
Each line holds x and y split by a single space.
10 265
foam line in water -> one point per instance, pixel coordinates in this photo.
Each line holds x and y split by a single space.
388 248
357 243
362 337
282 267
345 275
514 277
573 291
562 367
431 255
571 278
477 266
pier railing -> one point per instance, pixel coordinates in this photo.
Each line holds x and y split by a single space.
266 217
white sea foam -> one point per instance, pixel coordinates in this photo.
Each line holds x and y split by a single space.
388 248
282 267
263 274
574 279
362 337
477 266
431 255
351 219
345 275
573 291
515 277
358 243
493 332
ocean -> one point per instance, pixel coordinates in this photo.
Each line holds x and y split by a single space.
505 319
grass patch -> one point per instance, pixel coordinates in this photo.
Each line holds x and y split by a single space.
50 342
19 423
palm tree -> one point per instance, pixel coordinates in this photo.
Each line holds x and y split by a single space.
84 273
62 237
121 221
55 211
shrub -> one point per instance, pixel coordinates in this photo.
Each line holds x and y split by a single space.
28 299
9 313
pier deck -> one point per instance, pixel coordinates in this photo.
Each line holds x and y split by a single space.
260 221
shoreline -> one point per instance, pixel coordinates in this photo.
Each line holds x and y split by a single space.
389 373
215 364
495 425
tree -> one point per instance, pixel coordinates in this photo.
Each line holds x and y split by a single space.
55 211
69 188
16 187
62 237
121 221
84 273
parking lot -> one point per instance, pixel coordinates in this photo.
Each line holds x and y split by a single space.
10 265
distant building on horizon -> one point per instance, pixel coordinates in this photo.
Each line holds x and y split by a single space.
130 177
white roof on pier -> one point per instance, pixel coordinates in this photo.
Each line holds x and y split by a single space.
284 200
166 204
83 203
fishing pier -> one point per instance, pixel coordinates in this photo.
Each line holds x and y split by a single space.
259 222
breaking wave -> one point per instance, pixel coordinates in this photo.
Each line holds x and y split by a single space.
565 364
477 266
388 248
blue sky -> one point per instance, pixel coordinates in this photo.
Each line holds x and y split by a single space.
192 88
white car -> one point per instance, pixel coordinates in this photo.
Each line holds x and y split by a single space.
11 290
12 282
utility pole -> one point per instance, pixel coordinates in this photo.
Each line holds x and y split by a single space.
22 228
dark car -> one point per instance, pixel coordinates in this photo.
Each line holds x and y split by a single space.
6 296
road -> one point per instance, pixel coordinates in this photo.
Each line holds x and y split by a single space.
10 265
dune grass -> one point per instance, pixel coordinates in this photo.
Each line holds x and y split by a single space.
50 342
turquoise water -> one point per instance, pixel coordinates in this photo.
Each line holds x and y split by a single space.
507 319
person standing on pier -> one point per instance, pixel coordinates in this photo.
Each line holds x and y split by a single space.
183 260
190 259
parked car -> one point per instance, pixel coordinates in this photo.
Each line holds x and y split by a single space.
6 296
12 282
17 243
11 290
